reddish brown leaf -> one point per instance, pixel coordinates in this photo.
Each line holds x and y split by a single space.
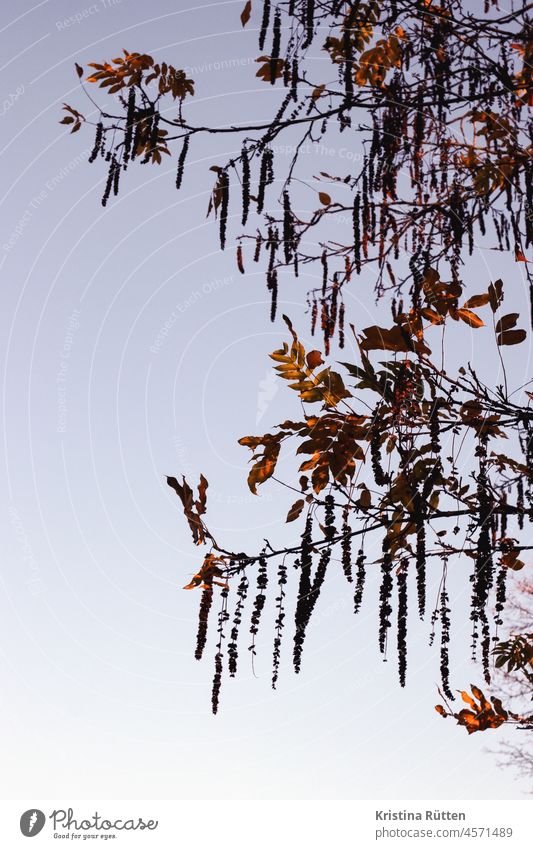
240 264
477 300
507 321
511 337
295 510
470 318
246 12
495 292
314 359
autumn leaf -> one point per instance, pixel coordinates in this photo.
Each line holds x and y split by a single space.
495 293
265 71
314 359
246 12
192 509
470 318
365 499
324 198
477 300
295 510
262 470
209 571
79 70
432 316
483 715
511 337
507 321
469 700
396 339
320 477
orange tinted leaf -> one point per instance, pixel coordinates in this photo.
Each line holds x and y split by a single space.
499 708
477 300
324 198
441 710
470 318
469 720
469 700
382 339
79 70
479 695
260 472
432 316
319 477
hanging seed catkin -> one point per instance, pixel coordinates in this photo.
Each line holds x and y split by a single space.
181 162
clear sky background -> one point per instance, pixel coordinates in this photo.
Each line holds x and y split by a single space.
131 349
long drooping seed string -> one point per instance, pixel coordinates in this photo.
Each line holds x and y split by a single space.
385 592
346 545
272 272
305 564
276 45
419 518
501 594
434 428
375 452
266 176
445 636
111 180
259 601
97 141
223 617
482 577
520 502
359 581
245 185
357 232
264 23
323 563
181 161
203 618
348 57
401 577
242 592
279 623
224 204
288 229
130 125
152 137
309 21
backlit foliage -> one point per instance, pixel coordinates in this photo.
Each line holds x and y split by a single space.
436 99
